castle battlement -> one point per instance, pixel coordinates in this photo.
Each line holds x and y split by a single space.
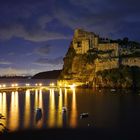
84 41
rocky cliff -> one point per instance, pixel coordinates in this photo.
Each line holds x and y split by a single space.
100 65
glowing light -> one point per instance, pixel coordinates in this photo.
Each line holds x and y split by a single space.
51 117
3 108
27 109
0 86
65 99
4 85
51 84
40 103
36 84
14 112
60 84
27 84
73 120
59 115
40 84
72 86
12 85
36 99
16 85
65 85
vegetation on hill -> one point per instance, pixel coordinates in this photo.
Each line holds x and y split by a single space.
125 42
125 76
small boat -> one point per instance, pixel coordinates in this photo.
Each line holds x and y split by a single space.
100 91
38 115
64 109
84 115
38 110
113 90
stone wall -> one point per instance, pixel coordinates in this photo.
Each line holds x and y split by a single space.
79 33
102 64
114 47
133 61
84 41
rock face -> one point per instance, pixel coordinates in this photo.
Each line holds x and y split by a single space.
90 60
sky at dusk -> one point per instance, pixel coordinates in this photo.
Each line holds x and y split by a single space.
35 34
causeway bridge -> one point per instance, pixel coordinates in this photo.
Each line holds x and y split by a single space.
18 88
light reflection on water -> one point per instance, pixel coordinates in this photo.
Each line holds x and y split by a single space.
73 117
38 120
14 112
105 109
59 112
27 109
3 107
51 113
54 118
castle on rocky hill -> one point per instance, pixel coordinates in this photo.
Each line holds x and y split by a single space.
89 55
108 52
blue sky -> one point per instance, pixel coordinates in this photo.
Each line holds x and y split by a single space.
35 34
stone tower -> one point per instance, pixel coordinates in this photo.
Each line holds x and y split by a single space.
84 41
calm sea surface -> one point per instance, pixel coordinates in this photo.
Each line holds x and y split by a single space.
106 109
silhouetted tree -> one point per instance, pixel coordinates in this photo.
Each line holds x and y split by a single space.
125 41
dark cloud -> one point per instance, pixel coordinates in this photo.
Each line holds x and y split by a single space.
43 50
34 34
106 18
29 19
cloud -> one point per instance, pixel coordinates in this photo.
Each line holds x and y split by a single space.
35 34
29 19
46 61
12 71
20 71
3 62
43 50
43 20
106 18
90 20
11 53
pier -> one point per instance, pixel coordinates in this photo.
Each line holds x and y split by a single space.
25 88
32 87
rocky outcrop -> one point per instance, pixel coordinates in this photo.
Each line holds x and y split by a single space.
100 65
123 77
